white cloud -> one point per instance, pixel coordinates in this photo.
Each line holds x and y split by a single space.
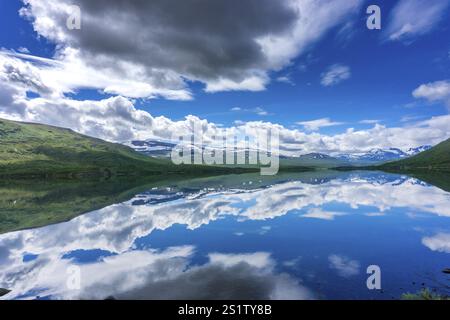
257 259
223 54
23 50
438 91
293 263
155 274
335 74
252 83
375 214
369 121
412 18
68 73
258 110
409 118
318 213
344 266
439 242
117 119
315 125
285 79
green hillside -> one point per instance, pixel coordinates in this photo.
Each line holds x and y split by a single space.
435 159
40 151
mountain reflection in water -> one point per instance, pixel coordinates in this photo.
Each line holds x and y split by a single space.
298 237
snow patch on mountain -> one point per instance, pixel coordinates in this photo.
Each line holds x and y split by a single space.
162 148
382 155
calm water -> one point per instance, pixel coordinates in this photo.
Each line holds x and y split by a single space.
293 238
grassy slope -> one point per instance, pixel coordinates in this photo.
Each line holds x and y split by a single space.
28 205
36 151
435 159
431 166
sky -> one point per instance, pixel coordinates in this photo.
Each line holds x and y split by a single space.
312 69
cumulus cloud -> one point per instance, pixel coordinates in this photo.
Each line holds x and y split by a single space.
88 59
335 74
438 91
315 125
233 47
439 242
23 75
117 119
344 266
67 74
156 274
255 282
412 18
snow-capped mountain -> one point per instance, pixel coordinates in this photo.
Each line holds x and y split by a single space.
382 155
160 148
414 151
153 148
316 156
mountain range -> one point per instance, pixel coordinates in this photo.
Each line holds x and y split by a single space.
436 159
159 148
381 155
31 150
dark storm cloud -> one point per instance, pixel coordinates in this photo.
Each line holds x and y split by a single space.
199 39
161 45
204 282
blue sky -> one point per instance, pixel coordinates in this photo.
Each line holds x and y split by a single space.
382 72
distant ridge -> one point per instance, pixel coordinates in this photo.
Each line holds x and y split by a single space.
437 158
162 149
376 156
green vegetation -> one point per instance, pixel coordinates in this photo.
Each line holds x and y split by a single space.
424 294
435 178
434 159
30 151
431 166
4 291
27 205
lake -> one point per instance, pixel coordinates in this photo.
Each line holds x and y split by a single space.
294 236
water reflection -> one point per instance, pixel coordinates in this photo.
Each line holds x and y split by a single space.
310 237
